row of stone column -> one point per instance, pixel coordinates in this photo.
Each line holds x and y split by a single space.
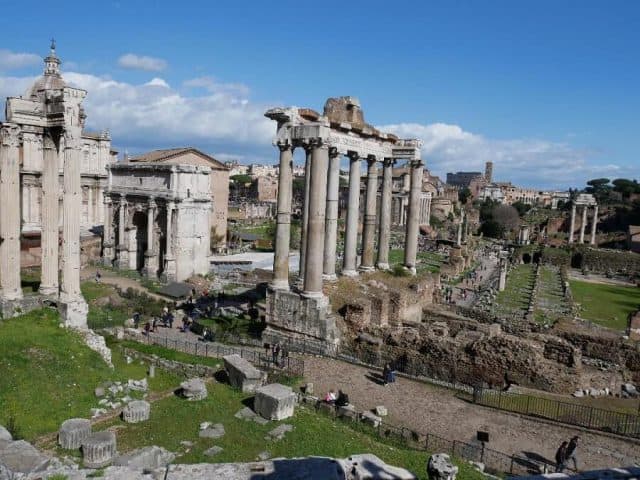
10 215
583 224
320 217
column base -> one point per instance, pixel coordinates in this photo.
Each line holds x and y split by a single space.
411 270
367 268
383 266
48 290
319 297
329 277
349 273
12 295
74 312
282 285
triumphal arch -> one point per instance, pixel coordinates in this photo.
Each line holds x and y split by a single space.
296 315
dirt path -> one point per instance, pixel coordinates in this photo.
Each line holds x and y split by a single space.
111 278
430 409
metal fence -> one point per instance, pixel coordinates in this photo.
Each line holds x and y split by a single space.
493 460
288 365
574 414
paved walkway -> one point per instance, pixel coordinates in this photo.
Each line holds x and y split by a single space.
430 409
485 270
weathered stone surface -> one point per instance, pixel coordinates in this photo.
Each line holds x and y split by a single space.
73 432
249 415
439 467
213 431
265 455
147 458
347 411
279 432
136 411
99 449
4 434
381 411
99 392
274 402
371 419
22 457
368 466
242 374
194 389
213 451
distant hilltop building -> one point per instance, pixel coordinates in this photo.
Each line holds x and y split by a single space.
462 179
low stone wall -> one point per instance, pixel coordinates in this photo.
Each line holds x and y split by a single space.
603 261
186 370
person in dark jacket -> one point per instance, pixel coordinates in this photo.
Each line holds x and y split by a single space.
571 453
561 456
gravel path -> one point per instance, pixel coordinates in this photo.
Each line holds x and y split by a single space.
426 408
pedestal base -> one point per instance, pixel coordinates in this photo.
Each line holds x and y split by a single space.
349 273
279 285
367 269
49 291
20 306
383 266
331 277
74 312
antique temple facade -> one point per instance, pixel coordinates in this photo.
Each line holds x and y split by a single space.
302 315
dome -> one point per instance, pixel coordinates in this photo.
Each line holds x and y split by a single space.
51 79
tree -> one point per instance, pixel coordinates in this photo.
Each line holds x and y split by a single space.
241 179
521 207
492 229
599 188
626 187
464 194
506 216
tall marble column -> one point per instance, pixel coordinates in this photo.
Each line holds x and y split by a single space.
169 258
384 231
572 225
305 214
584 222
411 240
90 218
369 224
151 256
107 234
331 222
429 211
283 219
353 216
50 231
316 221
10 212
73 307
123 249
593 225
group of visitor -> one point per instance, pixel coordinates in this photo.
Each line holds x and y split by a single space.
279 354
566 452
340 399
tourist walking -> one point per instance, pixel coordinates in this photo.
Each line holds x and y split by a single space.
571 453
98 276
561 456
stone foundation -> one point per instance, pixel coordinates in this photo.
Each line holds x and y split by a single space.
136 411
274 402
300 322
73 432
99 449
74 312
14 308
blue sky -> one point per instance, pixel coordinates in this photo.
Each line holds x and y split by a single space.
548 90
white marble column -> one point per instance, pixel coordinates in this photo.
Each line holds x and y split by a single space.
331 222
384 230
151 256
283 218
100 205
369 224
572 225
593 225
353 217
90 218
411 240
583 225
50 231
428 210
169 258
73 309
122 247
316 222
107 235
10 212
305 214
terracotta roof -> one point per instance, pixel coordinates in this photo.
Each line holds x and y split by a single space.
171 153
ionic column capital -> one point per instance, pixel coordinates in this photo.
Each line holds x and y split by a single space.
47 142
171 205
313 143
388 162
333 152
353 156
284 145
416 163
10 135
152 203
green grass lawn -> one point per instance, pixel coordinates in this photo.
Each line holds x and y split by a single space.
48 375
606 305
426 261
515 297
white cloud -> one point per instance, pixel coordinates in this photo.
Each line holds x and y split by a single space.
211 84
530 162
141 62
11 60
157 82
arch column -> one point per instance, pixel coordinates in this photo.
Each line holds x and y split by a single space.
107 235
384 231
283 219
331 223
369 224
123 249
49 284
316 221
593 225
411 240
10 212
353 214
169 258
151 256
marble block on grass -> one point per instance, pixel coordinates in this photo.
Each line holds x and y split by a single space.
274 402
